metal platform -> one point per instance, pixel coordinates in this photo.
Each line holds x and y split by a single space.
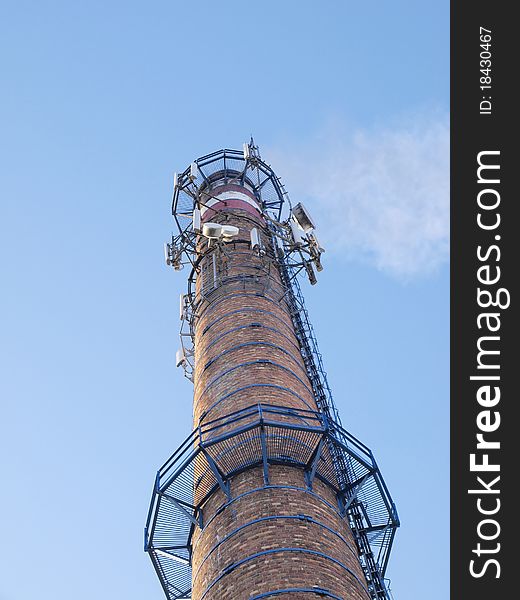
260 436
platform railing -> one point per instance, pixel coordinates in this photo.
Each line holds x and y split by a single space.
261 435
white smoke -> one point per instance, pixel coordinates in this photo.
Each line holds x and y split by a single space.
379 196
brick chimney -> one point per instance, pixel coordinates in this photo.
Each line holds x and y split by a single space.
269 496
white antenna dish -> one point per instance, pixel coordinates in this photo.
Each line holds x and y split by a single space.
301 215
196 220
229 232
213 231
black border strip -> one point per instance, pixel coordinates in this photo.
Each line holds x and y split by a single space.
484 128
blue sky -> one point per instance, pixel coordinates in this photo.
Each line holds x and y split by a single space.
100 103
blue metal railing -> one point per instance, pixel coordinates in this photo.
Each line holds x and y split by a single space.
262 435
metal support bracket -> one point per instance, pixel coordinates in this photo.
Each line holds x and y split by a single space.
264 456
224 485
312 465
354 489
265 462
196 521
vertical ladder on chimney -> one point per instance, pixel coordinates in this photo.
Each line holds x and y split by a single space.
314 365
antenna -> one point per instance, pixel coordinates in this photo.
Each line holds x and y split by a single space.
310 272
167 254
215 231
297 233
196 220
301 215
212 231
182 307
313 238
229 232
255 239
